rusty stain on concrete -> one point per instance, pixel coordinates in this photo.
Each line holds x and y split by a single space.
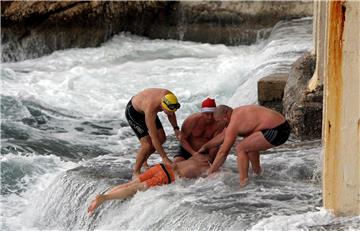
334 106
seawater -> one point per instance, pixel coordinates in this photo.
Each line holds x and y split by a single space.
64 139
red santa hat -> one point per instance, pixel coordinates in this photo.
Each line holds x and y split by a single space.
208 105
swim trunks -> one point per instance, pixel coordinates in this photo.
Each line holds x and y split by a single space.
157 175
137 121
183 153
277 135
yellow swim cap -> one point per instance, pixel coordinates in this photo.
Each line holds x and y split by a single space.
170 102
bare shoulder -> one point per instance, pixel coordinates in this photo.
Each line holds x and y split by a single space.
191 119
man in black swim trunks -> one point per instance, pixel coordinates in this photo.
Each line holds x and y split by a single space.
262 128
141 113
196 130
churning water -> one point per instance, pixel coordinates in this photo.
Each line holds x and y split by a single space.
64 139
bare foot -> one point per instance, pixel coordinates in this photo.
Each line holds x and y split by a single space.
244 182
259 172
96 203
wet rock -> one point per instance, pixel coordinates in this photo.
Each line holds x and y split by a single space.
34 28
30 29
230 22
303 108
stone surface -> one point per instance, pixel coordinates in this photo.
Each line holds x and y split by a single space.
30 29
233 22
271 91
303 109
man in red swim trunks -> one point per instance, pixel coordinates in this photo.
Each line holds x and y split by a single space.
157 175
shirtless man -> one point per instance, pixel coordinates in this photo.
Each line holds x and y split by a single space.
141 113
157 175
198 129
262 128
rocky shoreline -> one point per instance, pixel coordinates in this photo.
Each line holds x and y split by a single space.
30 29
290 95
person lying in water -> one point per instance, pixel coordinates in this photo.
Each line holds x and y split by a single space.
157 175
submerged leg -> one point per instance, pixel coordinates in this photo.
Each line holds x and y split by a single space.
118 192
136 180
248 151
254 158
243 166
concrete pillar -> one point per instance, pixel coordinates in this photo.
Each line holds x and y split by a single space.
319 35
341 123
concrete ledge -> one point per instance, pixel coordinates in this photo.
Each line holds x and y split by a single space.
271 91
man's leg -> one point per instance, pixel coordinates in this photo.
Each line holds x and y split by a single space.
125 192
119 192
243 165
143 154
250 145
254 158
145 164
146 150
121 186
162 139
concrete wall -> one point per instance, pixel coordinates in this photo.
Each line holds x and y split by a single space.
341 124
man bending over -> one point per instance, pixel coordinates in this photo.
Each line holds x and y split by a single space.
141 113
262 128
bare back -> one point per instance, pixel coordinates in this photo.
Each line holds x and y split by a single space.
246 120
193 167
148 100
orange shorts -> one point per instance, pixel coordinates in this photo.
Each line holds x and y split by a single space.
158 175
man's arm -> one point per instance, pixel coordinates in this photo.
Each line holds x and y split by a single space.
186 129
230 137
173 122
214 142
150 118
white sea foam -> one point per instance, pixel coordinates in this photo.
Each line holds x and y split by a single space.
84 88
294 222
35 173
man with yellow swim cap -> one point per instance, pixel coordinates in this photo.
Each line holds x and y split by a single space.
141 113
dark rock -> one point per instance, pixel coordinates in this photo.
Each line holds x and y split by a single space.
30 29
302 108
229 22
35 28
271 91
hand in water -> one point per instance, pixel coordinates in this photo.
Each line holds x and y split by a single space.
210 175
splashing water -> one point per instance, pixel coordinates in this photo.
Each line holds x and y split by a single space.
65 138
